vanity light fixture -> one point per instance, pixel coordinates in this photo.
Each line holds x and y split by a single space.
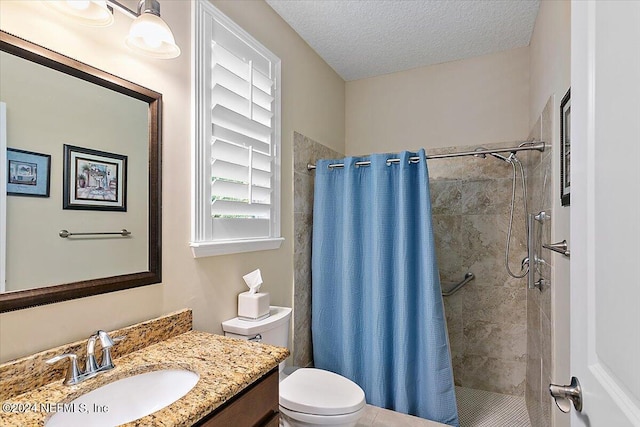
94 13
148 34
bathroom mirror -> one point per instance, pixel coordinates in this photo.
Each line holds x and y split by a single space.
83 156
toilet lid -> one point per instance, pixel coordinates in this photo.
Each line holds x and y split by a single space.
319 392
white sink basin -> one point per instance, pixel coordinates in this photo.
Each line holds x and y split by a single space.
125 400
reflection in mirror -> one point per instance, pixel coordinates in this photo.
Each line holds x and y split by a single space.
83 155
47 109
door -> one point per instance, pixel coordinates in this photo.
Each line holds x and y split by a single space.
605 211
3 194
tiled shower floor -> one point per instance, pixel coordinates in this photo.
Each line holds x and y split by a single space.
476 408
479 408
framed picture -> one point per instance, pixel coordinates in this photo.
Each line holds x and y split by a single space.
565 148
28 174
94 180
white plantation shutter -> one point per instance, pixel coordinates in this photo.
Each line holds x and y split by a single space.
237 183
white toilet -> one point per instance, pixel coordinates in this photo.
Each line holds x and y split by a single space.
308 397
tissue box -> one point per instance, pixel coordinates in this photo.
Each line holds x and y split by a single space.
253 306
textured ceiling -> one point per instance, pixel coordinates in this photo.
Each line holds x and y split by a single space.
366 38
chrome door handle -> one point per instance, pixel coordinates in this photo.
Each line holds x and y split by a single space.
560 247
564 395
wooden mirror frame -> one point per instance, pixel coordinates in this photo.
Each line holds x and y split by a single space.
10 301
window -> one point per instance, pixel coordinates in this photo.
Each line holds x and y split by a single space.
236 190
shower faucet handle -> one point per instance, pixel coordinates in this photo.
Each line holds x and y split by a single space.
559 247
542 216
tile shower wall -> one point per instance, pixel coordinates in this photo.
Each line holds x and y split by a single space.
486 319
305 151
539 317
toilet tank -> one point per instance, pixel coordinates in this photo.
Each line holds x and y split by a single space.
273 330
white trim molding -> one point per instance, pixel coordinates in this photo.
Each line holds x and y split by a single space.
206 249
236 138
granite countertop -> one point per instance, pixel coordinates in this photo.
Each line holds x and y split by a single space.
225 365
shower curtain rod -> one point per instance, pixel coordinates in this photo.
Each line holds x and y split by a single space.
525 146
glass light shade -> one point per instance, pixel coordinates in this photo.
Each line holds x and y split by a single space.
150 35
94 13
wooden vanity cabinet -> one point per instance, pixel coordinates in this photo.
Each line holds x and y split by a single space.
255 406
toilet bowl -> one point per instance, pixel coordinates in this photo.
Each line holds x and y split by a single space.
312 397
308 396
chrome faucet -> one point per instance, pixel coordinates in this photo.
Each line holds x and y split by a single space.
106 342
74 374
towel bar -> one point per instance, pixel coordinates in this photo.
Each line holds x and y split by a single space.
124 233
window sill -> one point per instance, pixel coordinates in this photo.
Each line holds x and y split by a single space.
206 249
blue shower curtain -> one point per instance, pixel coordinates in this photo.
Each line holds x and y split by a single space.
377 313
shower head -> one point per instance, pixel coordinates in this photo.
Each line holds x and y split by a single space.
501 157
496 155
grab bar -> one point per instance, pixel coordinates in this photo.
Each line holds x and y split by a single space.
124 233
457 286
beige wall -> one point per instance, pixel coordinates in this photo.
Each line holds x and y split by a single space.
551 77
468 102
46 109
550 51
312 103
